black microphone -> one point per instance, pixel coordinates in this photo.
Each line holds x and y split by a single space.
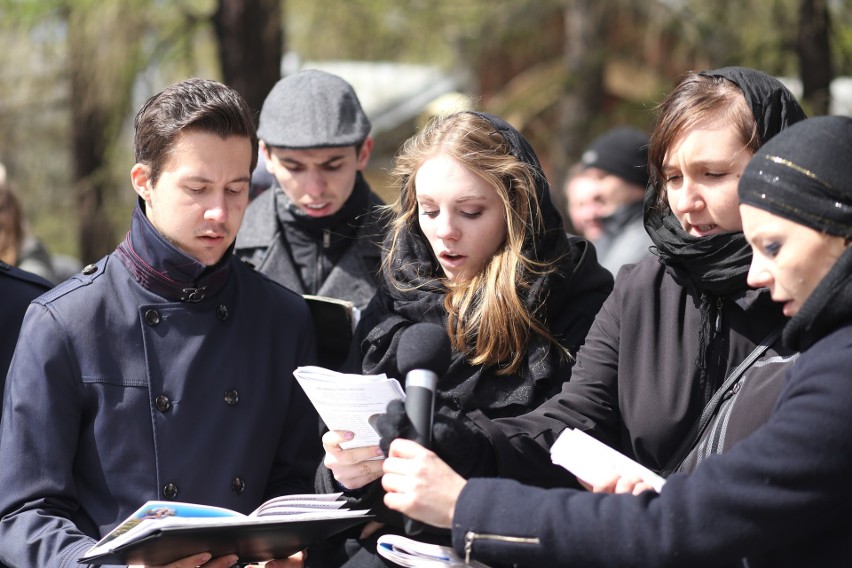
423 355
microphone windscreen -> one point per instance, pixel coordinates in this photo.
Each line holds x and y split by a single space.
424 346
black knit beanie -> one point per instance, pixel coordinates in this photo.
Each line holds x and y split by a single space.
622 152
804 174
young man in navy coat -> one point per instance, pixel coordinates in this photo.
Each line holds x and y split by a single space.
164 370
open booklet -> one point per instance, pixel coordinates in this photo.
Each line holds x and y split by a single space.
407 552
161 532
594 462
349 402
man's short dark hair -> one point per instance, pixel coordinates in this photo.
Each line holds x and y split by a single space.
194 104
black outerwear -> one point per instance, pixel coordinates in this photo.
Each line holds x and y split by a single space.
120 392
780 497
569 295
17 289
337 256
636 385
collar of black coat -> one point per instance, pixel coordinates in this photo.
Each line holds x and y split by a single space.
164 269
828 308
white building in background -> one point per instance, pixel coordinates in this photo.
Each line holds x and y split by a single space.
841 93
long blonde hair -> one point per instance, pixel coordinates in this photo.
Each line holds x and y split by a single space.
487 318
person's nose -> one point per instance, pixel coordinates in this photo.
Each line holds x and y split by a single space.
689 198
447 228
314 183
758 275
217 209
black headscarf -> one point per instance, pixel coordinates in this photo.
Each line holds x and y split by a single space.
462 387
804 176
718 265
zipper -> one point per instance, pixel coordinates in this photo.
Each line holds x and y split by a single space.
319 272
471 536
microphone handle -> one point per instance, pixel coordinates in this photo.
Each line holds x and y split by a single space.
420 387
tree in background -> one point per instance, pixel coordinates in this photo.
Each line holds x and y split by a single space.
249 39
814 51
99 97
559 70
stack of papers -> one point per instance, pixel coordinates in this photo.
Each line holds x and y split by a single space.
349 402
407 552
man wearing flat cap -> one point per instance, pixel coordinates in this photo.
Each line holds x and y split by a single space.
317 229
617 161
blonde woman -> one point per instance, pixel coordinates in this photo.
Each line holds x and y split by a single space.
476 246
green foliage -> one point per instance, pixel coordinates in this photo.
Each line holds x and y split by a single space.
512 51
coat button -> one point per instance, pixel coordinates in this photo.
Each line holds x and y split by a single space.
222 312
163 403
152 317
232 397
238 485
170 491
90 269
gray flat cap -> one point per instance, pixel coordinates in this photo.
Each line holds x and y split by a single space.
312 109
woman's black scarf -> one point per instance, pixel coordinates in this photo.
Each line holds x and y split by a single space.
717 266
463 388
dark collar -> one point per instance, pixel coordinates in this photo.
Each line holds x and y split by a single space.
167 271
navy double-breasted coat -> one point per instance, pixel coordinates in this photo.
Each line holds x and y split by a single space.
118 395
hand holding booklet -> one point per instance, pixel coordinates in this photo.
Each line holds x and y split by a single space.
594 462
161 532
349 402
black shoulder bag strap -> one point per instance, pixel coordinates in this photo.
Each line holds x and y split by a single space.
713 404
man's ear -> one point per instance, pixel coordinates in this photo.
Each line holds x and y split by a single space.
140 178
267 156
364 154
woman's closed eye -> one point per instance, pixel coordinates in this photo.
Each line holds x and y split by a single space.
772 249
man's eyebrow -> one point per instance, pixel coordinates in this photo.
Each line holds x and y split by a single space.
202 179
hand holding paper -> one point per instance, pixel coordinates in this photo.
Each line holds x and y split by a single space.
597 464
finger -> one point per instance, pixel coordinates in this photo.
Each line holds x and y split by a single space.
222 561
606 485
357 475
188 562
407 449
295 561
332 439
353 455
641 487
626 484
370 528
